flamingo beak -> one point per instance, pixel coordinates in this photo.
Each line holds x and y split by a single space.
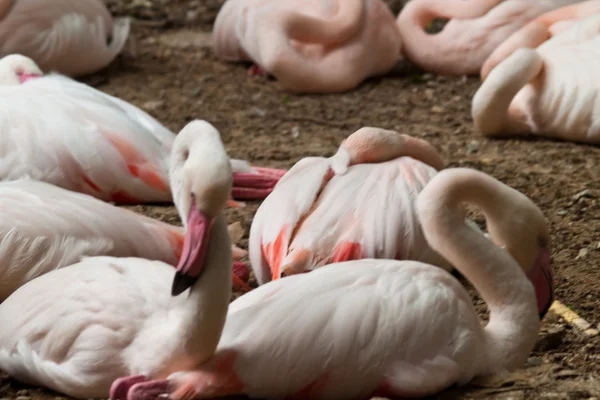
195 246
541 277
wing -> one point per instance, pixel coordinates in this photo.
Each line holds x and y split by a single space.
354 327
73 37
43 227
61 132
67 329
279 213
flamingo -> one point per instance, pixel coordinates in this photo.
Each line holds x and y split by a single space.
387 328
357 204
539 30
73 37
60 131
78 328
44 227
317 46
547 91
475 29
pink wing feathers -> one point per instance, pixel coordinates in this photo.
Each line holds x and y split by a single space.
59 131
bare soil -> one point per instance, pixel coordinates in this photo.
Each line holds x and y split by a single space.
168 70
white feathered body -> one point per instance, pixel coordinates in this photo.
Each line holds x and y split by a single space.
355 329
44 227
92 323
73 37
368 212
57 130
562 101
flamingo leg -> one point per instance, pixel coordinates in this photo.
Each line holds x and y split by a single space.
256 185
240 276
149 390
216 379
120 387
256 70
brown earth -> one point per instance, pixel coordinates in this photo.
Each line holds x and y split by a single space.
168 70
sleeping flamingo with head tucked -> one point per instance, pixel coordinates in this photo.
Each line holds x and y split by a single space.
44 227
548 91
357 204
397 329
57 130
73 37
309 45
539 30
77 329
475 29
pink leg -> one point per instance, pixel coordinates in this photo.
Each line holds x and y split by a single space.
150 390
240 276
257 186
121 386
256 70
216 379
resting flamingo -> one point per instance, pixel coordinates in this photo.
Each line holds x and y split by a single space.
309 46
475 29
73 37
548 91
57 130
387 328
44 227
539 30
78 328
357 204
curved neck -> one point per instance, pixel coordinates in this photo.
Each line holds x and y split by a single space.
498 278
208 299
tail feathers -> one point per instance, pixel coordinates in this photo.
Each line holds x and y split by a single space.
25 365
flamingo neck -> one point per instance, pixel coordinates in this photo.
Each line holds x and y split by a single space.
498 278
208 299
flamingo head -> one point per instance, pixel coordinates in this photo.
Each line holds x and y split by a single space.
201 180
16 69
376 145
522 230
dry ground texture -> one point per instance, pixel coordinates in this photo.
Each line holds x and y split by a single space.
168 70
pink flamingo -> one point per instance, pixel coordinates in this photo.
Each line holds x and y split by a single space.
475 29
44 227
387 328
547 91
357 204
73 37
57 130
78 328
310 46
539 30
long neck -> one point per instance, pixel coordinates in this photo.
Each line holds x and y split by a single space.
208 299
514 324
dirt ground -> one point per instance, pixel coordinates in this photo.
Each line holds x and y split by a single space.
168 70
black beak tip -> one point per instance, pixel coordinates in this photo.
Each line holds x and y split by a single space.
181 283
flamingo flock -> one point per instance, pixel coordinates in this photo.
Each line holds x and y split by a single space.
352 253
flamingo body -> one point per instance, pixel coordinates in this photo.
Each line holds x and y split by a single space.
78 328
316 216
534 91
73 37
398 329
60 131
310 46
44 227
475 28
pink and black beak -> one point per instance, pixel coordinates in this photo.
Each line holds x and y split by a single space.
195 247
541 277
